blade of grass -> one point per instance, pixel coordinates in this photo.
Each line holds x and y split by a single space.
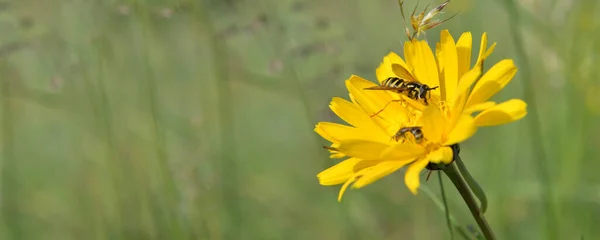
165 212
463 231
539 154
446 209
461 186
232 226
300 93
477 190
10 185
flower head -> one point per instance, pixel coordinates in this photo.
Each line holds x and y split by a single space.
371 144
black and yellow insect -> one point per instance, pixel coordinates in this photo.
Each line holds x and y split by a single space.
415 131
412 89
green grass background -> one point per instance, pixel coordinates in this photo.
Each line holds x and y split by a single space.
190 119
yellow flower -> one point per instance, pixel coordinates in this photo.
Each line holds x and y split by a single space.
367 139
369 144
450 69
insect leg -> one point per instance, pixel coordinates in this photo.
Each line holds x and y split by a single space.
384 107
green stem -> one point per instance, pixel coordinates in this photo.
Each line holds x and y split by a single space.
452 172
446 209
477 190
462 231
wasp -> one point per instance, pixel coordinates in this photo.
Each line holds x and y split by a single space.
394 84
415 131
418 134
412 89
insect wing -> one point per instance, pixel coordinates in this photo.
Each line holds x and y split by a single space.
380 88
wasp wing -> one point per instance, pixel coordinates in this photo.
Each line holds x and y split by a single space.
401 72
380 88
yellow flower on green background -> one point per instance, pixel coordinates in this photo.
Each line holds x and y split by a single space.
447 120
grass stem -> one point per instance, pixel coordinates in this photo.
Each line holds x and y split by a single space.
452 172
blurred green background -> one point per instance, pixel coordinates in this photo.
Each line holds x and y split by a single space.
189 119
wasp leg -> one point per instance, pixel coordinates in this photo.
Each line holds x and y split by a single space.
384 107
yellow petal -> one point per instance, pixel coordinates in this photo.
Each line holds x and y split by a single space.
373 101
411 179
448 66
345 186
464 129
488 52
402 151
385 71
467 80
339 173
479 107
354 115
378 171
502 113
492 81
443 154
418 54
457 110
366 150
334 152
483 52
336 133
321 130
463 52
482 47
348 111
462 93
356 176
434 124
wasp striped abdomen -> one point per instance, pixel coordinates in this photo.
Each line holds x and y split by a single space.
395 83
412 89
415 131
